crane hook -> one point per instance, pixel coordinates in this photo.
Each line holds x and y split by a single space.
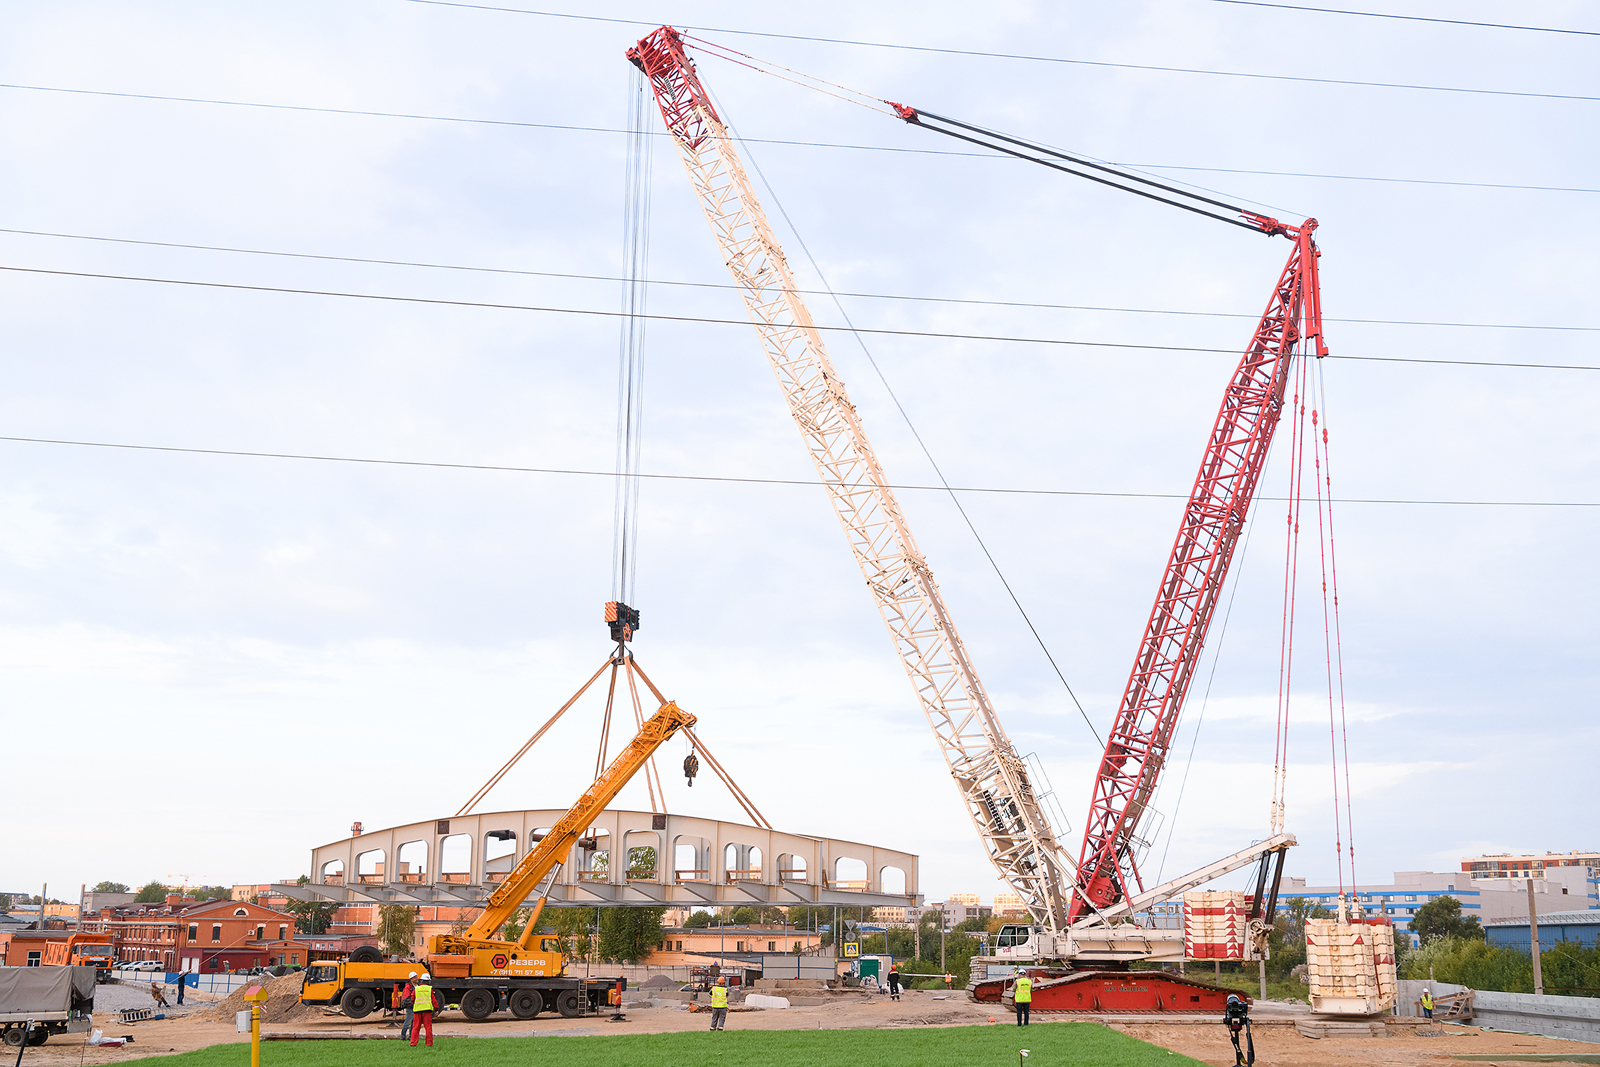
691 767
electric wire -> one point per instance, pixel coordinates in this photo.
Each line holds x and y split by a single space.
1409 18
804 292
706 319
1022 57
760 140
927 454
747 480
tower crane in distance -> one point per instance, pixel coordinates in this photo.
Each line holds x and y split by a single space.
992 780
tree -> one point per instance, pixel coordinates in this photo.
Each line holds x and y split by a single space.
150 893
1441 917
312 916
5 902
642 862
110 887
1287 941
697 920
397 925
573 926
628 935
743 916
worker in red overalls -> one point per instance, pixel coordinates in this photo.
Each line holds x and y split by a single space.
422 1009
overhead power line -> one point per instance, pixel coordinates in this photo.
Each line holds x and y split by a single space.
1410 18
568 128
738 480
726 285
1019 56
711 320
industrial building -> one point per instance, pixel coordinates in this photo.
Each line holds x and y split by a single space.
1579 927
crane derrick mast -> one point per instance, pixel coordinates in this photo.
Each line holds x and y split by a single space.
991 778
1198 565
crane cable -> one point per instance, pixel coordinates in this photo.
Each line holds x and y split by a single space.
630 347
1332 636
630 399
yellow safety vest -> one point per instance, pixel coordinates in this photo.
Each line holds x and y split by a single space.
424 1001
1024 991
1427 1001
719 996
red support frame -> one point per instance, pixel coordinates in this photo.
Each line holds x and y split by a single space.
1196 571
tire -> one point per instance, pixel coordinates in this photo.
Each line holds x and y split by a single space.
38 1037
479 1004
358 1003
13 1037
569 1003
366 954
526 1003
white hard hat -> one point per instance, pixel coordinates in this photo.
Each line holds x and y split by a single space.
426 977
413 974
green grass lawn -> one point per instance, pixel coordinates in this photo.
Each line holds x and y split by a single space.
1051 1045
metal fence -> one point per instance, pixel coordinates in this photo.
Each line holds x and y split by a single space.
221 984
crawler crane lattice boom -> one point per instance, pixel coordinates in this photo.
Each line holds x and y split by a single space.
991 778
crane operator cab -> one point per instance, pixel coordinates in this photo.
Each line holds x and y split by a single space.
1026 941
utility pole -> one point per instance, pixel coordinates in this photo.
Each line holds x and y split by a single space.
1533 942
941 941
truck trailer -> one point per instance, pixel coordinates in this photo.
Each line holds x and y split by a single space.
54 1000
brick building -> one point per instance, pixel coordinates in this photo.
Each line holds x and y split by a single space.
196 936
684 945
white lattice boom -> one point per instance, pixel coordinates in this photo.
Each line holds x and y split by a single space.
992 780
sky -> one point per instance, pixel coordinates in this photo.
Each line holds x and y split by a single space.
211 664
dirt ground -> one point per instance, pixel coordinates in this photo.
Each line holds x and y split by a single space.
1278 1043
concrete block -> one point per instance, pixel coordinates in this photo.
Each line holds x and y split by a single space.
761 1000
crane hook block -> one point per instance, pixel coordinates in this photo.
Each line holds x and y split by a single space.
623 620
691 767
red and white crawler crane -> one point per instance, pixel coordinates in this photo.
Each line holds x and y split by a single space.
1081 911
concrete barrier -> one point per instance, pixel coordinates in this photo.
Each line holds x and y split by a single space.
1572 1018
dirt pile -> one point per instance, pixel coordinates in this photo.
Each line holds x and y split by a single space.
283 1002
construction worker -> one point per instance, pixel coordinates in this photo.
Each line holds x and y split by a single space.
1022 996
1427 1003
158 994
894 981
422 1008
719 1004
406 997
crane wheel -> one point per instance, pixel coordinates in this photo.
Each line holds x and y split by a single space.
478 1004
357 1003
367 954
569 1003
526 1003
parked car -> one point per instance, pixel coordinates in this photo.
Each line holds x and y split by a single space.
148 965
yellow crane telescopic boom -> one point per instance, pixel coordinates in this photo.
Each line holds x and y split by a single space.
553 849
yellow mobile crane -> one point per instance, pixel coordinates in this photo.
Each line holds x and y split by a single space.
475 968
